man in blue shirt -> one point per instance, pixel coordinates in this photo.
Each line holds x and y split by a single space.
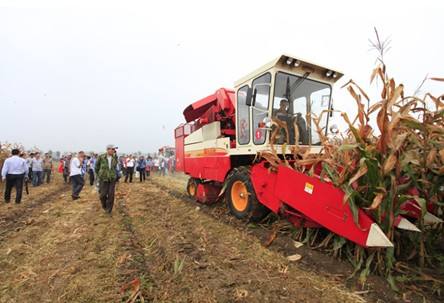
141 167
13 171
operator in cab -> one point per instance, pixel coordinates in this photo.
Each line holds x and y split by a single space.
283 115
282 112
291 120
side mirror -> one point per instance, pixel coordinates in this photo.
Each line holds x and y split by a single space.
251 97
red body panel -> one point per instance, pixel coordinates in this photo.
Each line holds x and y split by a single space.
211 167
264 183
180 138
198 108
319 201
207 108
209 164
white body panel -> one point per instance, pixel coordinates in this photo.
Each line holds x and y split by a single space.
206 132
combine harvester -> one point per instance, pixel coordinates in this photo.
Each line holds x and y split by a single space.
219 148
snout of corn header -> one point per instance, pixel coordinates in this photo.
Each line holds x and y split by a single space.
405 224
377 238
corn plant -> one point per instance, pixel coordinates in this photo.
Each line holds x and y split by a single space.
380 169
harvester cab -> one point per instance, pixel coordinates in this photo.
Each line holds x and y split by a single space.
223 144
286 89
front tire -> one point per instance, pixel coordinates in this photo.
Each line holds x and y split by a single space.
241 197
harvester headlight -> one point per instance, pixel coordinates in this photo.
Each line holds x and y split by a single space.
289 61
296 63
329 73
335 75
267 122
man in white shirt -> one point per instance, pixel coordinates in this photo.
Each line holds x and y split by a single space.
130 163
37 170
14 172
76 175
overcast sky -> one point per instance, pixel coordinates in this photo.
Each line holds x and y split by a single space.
82 74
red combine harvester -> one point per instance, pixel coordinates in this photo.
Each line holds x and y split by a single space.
220 143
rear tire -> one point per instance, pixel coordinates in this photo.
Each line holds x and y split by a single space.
192 188
241 197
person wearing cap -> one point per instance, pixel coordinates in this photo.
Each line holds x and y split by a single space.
107 171
14 171
76 175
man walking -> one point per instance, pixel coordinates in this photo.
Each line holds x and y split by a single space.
107 171
130 163
29 163
37 170
91 166
66 167
76 175
141 167
14 172
47 167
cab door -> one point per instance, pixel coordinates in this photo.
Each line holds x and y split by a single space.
261 89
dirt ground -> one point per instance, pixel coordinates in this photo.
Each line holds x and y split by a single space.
156 247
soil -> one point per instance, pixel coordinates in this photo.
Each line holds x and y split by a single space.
159 246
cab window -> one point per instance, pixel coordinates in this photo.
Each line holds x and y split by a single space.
294 98
261 87
243 116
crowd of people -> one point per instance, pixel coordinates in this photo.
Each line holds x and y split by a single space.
101 171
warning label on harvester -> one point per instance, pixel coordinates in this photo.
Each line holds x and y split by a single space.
308 188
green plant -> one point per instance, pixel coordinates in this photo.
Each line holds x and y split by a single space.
178 265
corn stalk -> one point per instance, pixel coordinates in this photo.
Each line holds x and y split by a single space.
379 169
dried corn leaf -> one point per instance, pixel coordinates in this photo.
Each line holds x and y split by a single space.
376 201
431 157
362 171
389 163
441 155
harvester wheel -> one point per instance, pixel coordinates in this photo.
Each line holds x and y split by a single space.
192 187
241 197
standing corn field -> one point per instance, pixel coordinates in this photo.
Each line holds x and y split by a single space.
386 171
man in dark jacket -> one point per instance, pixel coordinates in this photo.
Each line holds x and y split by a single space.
107 171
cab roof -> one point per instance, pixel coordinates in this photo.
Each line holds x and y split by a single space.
301 65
